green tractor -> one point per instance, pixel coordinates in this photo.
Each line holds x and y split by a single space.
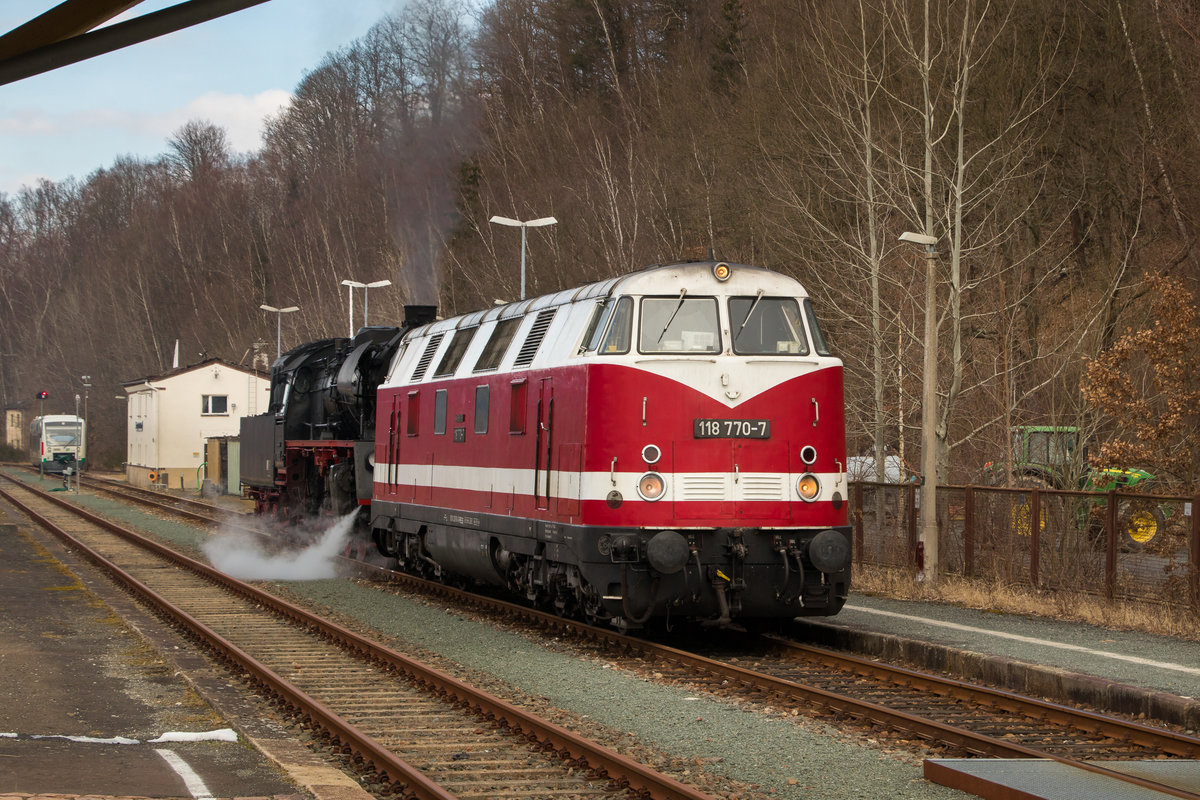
1055 457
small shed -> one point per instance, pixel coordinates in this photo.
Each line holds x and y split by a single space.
223 456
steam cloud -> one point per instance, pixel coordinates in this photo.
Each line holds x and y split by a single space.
239 556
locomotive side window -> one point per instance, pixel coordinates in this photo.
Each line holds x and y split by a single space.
482 395
454 353
439 412
414 413
620 330
595 329
767 326
516 410
497 344
679 325
818 338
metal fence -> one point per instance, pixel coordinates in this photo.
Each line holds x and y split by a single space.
1117 545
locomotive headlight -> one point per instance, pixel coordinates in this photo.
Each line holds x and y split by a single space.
651 486
808 487
651 454
722 272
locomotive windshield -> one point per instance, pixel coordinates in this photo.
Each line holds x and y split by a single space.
679 325
818 337
63 433
767 325
617 337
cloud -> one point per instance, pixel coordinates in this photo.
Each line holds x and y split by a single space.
241 116
29 122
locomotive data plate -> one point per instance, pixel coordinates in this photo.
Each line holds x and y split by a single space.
731 428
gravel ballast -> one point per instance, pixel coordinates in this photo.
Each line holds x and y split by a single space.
787 758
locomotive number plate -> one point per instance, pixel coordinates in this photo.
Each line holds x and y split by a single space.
731 428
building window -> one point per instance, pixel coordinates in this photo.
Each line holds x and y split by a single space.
214 404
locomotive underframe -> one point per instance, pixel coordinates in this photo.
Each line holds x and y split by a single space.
316 477
606 573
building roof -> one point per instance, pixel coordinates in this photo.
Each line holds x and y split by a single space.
208 362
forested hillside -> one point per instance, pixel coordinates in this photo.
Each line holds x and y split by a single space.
1052 149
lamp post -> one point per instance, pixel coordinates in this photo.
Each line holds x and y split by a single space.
928 566
87 384
42 436
516 223
366 287
279 312
366 295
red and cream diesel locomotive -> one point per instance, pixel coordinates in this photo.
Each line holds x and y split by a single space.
664 444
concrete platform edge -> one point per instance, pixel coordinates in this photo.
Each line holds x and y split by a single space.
1019 676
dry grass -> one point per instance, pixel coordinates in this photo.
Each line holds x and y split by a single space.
1155 618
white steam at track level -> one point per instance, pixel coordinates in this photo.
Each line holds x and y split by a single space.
239 556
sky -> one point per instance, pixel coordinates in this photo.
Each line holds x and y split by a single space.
232 72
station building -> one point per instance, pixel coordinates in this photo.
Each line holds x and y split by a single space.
172 417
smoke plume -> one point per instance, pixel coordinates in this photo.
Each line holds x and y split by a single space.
243 557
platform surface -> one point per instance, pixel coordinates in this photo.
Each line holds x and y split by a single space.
1030 779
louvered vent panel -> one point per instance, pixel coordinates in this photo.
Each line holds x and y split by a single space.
534 339
702 487
762 487
426 357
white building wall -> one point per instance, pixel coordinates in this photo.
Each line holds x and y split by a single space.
170 419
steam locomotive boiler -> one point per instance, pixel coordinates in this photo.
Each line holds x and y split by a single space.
311 453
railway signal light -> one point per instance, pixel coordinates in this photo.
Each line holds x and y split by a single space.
42 395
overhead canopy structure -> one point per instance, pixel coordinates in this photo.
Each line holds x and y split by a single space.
67 32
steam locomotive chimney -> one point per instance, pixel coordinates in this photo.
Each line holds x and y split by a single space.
419 315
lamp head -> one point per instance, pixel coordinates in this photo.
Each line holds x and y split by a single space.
918 238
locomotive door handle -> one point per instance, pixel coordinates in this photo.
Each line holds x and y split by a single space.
816 412
612 472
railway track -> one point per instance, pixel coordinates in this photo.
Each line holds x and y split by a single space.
196 510
408 728
958 717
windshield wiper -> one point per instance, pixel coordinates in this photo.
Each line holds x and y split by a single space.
753 306
682 293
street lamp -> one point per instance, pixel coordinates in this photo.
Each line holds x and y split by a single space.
928 566
366 287
516 223
279 312
87 384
